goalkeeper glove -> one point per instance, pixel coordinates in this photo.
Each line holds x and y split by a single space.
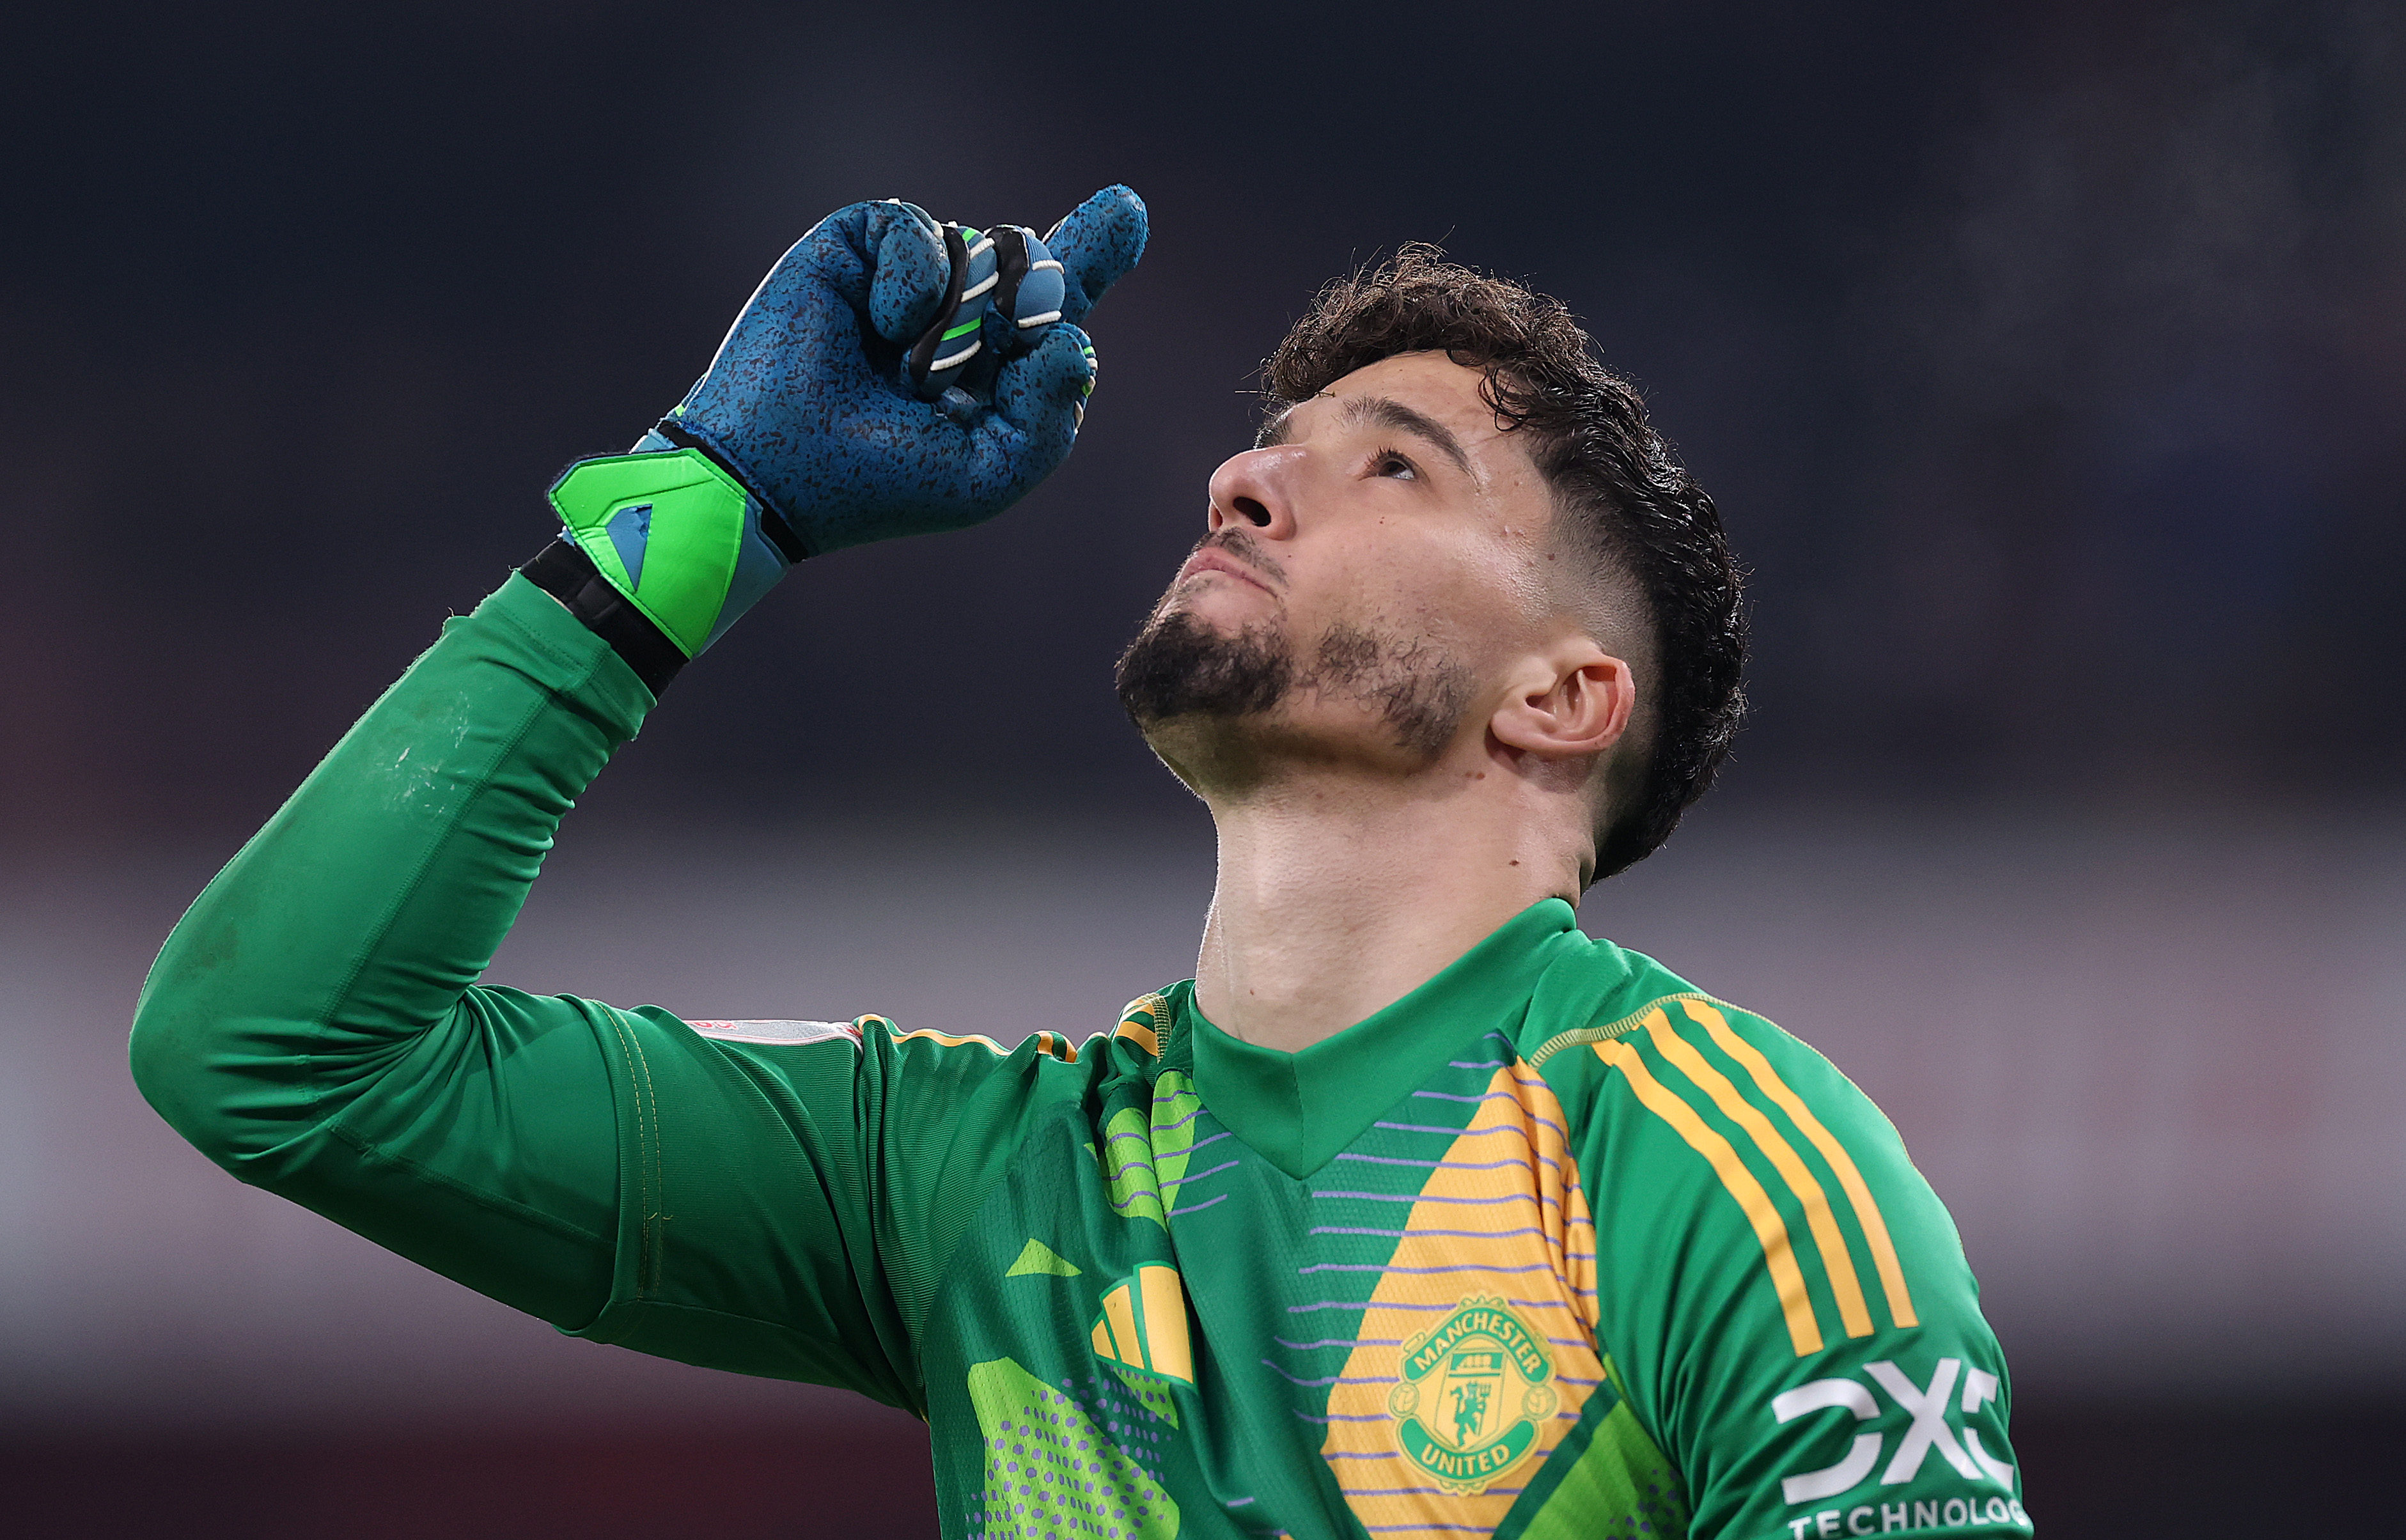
890 376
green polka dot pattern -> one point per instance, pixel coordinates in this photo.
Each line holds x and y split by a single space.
1051 1473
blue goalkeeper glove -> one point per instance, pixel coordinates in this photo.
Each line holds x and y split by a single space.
890 376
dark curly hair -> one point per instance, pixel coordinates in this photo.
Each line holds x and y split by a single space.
1638 515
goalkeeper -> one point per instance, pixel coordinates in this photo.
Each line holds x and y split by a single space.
1415 1212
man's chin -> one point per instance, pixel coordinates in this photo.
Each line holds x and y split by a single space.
1185 665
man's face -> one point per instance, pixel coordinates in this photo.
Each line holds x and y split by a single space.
1367 572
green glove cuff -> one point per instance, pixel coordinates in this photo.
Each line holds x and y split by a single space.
663 529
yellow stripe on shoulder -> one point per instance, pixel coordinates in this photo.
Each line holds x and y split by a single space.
1145 1022
1770 1230
1836 1262
1858 1193
950 1039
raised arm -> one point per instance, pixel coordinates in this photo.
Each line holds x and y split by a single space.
313 1023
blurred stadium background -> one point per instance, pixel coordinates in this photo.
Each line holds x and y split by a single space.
2049 362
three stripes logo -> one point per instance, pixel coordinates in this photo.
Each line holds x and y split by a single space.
1780 1255
1143 1326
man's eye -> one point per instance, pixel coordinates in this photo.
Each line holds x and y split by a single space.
1386 462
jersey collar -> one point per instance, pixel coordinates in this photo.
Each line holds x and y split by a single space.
1299 1110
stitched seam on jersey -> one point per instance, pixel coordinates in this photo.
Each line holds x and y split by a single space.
1166 1023
653 1242
1625 1026
369 1149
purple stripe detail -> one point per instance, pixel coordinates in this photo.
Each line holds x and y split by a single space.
1475 1063
1462 1132
1568 1379
1331 1379
1342 1417
1340 1342
1240 1503
1448 1267
1492 1096
1131 1165
1197 1207
1342 1455
1212 1139
1189 1182
1473 1235
1164 1129
1433 1164
1125 1135
1457 1528
1415 1197
1400 1492
1292 1379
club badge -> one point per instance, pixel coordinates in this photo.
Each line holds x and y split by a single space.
1471 1395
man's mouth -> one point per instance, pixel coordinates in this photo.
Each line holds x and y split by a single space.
1217 556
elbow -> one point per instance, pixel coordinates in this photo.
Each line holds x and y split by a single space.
205 1055
175 1054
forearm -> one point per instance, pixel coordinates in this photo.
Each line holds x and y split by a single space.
312 1015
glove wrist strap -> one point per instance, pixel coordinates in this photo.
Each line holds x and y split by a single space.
569 575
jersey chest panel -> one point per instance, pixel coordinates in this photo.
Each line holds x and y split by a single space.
1153 1331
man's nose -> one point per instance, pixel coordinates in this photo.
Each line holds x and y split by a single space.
1255 490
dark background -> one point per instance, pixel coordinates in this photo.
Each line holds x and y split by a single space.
2049 362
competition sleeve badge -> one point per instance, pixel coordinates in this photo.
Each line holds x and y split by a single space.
1471 1393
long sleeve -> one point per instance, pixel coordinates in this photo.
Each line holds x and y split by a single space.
771 1198
311 1026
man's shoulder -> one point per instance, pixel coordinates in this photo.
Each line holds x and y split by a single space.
1735 1127
1603 1016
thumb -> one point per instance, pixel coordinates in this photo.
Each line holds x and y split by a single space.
1098 242
1040 402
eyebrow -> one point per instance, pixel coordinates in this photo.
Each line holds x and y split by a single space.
1380 412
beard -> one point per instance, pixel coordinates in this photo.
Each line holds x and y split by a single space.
1178 667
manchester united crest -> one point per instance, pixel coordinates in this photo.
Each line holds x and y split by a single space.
1472 1393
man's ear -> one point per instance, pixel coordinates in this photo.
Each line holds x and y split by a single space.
1574 704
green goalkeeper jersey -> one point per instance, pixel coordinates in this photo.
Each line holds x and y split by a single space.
1554 1245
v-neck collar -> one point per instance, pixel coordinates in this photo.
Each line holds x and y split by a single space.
1299 1110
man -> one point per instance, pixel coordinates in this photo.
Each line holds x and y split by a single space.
1416 1211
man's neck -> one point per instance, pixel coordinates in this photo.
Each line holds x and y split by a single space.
1336 899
